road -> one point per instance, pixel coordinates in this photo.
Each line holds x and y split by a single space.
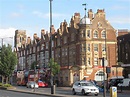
65 91
4 93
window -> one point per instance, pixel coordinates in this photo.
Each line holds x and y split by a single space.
100 73
84 61
84 47
65 39
58 42
66 78
63 51
89 64
103 34
46 45
95 34
83 33
33 49
66 51
103 47
37 48
95 61
52 44
88 47
72 37
96 47
42 47
88 33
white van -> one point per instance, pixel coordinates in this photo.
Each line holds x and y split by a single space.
126 82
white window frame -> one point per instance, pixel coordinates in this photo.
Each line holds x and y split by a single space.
95 47
95 34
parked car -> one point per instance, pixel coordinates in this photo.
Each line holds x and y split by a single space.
126 82
114 81
84 87
42 84
32 84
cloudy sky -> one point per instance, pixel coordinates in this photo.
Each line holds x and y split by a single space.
33 15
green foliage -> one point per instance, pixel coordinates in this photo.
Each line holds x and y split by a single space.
1 84
7 85
34 65
8 61
55 67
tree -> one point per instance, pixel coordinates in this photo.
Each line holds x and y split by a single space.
35 65
8 61
55 68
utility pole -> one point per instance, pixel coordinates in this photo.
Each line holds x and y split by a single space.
51 80
2 40
104 83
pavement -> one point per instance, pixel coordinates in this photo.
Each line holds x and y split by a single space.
64 91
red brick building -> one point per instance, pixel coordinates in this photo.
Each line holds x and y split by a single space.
77 48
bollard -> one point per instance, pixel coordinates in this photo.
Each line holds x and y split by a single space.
53 89
113 92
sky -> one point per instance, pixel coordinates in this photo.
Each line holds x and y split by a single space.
33 15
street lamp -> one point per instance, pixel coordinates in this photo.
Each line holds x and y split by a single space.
2 40
51 80
104 85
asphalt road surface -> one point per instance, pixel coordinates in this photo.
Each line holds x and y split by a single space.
4 93
66 92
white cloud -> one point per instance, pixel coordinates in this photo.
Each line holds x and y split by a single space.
14 15
7 35
119 20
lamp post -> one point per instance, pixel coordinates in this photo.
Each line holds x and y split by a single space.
104 85
2 40
51 79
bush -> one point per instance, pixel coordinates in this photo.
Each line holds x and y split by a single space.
7 85
1 84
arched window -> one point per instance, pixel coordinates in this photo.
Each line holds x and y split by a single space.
103 34
95 34
99 76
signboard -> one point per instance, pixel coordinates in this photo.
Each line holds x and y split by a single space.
108 69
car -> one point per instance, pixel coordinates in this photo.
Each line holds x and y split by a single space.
84 87
32 84
42 84
126 82
114 81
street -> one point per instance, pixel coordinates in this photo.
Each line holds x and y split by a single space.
66 92
4 93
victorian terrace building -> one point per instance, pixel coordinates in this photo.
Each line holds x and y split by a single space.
77 48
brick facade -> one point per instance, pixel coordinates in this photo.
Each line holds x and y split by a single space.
77 47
